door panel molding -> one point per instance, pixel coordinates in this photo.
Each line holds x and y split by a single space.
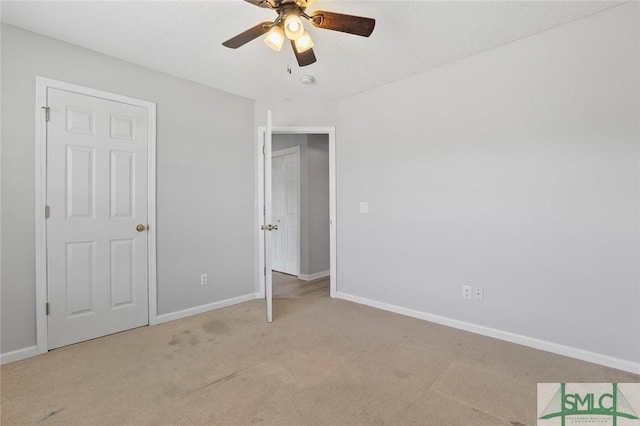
41 113
260 201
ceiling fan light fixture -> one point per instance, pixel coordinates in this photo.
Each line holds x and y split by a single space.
275 38
289 22
293 26
304 43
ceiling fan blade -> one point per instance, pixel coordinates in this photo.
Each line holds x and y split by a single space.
304 58
346 23
245 37
268 4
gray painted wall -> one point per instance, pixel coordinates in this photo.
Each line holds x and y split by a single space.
515 170
204 223
314 198
296 113
318 188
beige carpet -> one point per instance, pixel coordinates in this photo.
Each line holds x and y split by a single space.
322 361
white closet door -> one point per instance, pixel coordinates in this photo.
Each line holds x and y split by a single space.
286 210
97 280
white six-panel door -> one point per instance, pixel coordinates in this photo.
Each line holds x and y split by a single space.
286 206
96 191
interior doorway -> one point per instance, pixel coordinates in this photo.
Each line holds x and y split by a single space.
300 205
264 218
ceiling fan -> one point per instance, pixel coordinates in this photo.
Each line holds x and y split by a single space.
288 25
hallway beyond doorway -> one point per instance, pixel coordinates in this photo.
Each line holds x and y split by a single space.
289 286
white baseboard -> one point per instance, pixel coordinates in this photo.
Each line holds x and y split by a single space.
315 276
581 354
206 308
18 355
31 351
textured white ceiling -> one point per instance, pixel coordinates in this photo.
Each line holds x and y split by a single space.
183 38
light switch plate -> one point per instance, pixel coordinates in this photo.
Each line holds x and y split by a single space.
364 207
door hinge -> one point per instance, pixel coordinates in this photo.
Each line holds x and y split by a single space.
264 209
46 212
46 113
264 149
46 307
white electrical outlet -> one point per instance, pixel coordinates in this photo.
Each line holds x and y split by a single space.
479 294
466 292
203 279
364 207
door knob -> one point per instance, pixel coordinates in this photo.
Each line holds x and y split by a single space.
140 227
274 227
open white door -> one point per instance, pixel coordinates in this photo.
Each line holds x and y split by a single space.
267 227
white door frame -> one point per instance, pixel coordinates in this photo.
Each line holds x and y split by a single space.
42 84
260 264
294 150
